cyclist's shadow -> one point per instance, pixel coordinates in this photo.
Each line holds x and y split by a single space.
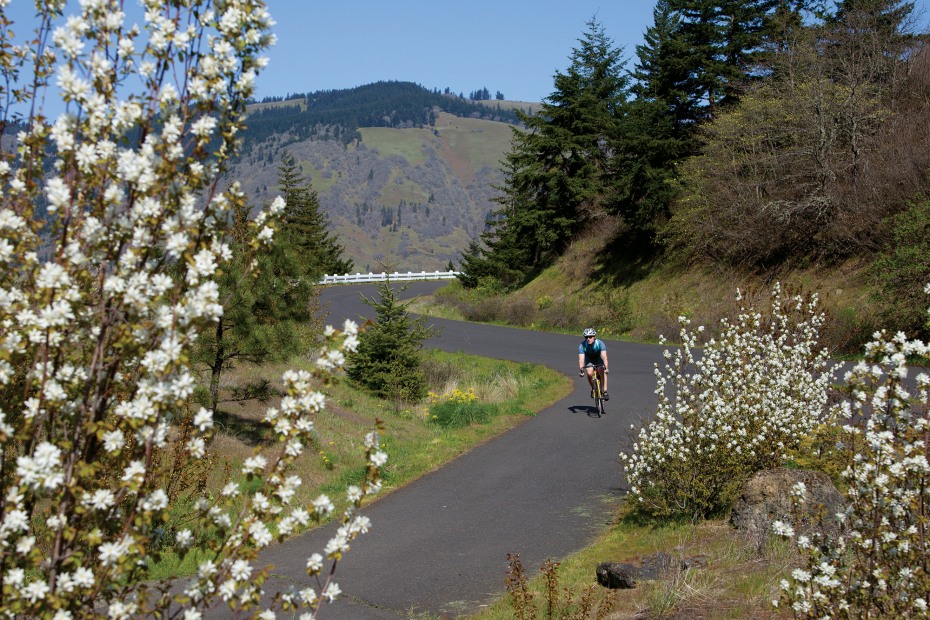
591 410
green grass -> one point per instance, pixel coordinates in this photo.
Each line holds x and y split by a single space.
466 145
473 142
317 178
406 143
451 414
255 107
528 107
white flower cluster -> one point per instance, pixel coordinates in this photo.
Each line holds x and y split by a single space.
731 409
109 254
877 566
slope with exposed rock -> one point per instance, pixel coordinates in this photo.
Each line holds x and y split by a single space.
407 195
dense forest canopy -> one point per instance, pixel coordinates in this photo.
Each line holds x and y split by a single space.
337 114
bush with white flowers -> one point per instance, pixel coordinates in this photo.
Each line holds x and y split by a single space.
111 232
732 409
879 564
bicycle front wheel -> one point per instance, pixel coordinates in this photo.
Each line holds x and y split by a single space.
598 396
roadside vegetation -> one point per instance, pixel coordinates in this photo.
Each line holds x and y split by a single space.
737 583
761 396
491 396
586 287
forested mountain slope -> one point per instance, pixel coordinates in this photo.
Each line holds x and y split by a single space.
405 181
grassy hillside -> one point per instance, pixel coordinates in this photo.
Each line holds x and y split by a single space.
268 105
590 287
408 198
408 194
471 145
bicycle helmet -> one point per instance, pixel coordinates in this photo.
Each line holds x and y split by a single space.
589 332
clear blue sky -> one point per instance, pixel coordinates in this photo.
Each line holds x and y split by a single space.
514 46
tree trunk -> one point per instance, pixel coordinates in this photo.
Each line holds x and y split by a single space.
216 369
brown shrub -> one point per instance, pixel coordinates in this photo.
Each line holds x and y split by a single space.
483 309
518 311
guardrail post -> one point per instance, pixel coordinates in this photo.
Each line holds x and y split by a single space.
381 277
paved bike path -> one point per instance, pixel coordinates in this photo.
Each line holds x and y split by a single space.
439 546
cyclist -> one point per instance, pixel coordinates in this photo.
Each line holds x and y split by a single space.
592 354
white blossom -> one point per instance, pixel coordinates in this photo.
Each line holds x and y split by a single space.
110 553
97 334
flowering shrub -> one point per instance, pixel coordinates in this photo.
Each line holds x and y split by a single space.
111 235
732 410
877 567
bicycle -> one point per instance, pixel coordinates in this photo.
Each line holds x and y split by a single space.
598 391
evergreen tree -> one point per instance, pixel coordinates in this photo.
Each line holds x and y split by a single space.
475 265
583 115
657 131
662 72
514 241
788 43
721 43
558 168
902 273
306 224
743 28
387 362
263 313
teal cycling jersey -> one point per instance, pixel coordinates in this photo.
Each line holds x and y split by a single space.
592 352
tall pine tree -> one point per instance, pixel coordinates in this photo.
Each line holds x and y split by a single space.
721 43
305 223
265 307
559 166
657 132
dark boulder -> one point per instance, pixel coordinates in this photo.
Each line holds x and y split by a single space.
616 575
623 575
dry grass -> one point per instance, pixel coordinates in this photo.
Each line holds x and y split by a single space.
642 307
469 145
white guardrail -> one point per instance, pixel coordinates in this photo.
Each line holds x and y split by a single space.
381 277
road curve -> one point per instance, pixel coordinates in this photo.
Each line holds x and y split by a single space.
439 546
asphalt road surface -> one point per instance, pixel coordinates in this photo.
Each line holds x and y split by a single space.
438 547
